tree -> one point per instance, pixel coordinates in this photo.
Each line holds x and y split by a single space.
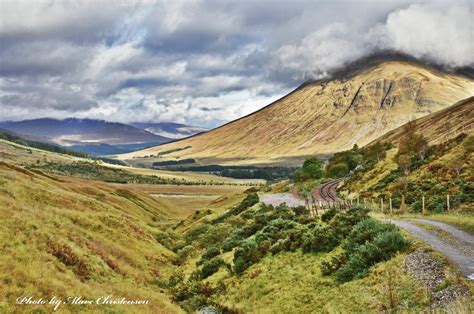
413 144
338 170
468 143
313 167
404 161
457 164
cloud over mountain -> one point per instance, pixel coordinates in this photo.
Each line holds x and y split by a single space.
203 62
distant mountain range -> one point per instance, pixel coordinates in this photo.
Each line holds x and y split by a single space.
170 129
326 116
98 137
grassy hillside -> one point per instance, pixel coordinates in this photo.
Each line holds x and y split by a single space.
433 170
257 259
441 125
323 117
65 237
68 236
96 169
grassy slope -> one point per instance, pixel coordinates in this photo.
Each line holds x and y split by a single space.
22 155
442 130
441 125
292 282
55 223
325 117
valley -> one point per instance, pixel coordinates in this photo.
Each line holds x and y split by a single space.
193 224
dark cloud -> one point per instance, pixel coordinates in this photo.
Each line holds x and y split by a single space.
203 62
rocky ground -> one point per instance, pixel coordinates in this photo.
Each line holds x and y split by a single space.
457 247
431 273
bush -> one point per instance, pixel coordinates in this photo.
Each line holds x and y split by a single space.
211 267
196 232
214 234
384 246
368 243
338 170
319 239
184 252
343 222
280 246
249 201
165 239
246 255
210 253
328 214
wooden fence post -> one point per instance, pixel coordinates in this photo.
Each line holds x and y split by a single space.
447 202
381 204
373 204
423 209
391 208
403 206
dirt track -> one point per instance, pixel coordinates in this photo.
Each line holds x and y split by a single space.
457 246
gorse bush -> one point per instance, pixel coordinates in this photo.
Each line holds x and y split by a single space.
320 239
211 267
368 243
211 252
328 214
249 201
269 230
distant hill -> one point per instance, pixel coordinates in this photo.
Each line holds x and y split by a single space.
169 129
322 117
96 137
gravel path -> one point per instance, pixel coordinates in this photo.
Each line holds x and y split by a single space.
461 236
277 199
458 252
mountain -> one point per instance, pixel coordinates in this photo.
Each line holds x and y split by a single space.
439 126
169 129
326 116
96 137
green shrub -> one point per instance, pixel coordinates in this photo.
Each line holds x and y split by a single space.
249 201
337 170
211 252
184 252
369 243
165 239
319 239
196 232
343 222
245 255
328 214
214 234
210 267
280 246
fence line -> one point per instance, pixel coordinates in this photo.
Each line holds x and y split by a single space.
377 204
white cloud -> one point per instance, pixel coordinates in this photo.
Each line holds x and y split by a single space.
442 31
202 62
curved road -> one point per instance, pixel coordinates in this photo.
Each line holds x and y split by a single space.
458 247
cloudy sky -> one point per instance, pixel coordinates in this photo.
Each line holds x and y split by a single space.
202 62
